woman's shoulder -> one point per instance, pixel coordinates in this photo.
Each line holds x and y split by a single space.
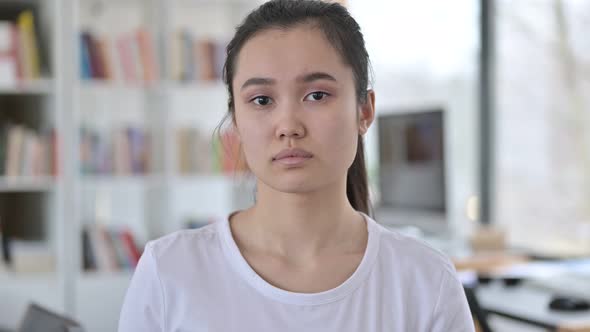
185 241
413 252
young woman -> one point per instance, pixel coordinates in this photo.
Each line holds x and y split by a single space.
306 256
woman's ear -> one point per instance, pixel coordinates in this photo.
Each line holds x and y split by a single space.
367 113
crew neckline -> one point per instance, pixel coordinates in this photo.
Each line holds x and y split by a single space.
245 271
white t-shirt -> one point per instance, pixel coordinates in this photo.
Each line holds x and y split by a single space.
197 280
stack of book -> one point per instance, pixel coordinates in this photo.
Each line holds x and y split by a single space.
19 50
26 153
194 152
129 57
109 248
121 151
196 59
198 155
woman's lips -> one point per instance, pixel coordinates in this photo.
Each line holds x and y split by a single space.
292 157
292 161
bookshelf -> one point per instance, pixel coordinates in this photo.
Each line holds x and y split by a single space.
41 86
26 184
31 183
113 155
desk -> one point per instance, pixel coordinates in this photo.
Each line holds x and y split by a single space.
488 263
530 305
521 302
524 302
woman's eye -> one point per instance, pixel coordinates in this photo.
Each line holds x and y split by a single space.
262 100
316 96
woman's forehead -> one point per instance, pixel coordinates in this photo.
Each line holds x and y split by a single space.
287 54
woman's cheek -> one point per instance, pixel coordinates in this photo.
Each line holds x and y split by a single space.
253 141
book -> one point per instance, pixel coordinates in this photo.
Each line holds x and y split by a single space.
125 51
101 245
4 247
147 55
136 62
137 146
85 62
15 140
26 164
104 58
88 254
206 56
28 39
188 63
194 152
130 246
123 259
109 248
175 57
96 61
3 143
8 61
23 152
54 152
121 152
117 151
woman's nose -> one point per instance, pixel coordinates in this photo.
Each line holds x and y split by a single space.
289 125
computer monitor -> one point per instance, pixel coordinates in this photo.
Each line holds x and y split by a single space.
412 186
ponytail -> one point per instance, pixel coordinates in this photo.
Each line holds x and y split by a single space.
357 188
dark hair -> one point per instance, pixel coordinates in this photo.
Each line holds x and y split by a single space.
343 33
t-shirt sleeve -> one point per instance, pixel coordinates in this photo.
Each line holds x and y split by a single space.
143 308
451 312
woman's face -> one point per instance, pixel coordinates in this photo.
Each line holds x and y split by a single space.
292 90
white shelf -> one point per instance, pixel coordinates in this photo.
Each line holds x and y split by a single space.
23 279
118 86
211 177
105 86
91 181
24 184
37 87
194 85
122 180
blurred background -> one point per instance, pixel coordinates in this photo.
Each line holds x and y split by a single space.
481 145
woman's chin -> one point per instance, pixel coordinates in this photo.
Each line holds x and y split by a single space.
293 185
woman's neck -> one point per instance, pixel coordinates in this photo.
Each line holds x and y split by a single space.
302 226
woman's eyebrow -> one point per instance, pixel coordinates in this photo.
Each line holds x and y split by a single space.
258 81
318 75
306 78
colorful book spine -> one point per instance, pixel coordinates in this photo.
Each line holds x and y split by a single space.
130 247
147 55
8 70
85 63
128 67
17 51
26 25
109 248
